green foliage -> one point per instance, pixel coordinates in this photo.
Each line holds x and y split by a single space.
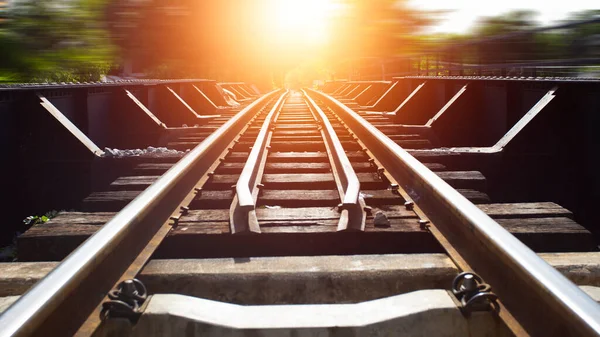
233 40
54 41
378 28
493 42
505 23
9 253
33 220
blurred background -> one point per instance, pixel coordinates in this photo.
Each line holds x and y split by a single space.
294 42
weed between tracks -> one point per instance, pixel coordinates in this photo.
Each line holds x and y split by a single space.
9 253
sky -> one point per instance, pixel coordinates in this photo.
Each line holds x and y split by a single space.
465 12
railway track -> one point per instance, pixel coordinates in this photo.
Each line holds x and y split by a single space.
298 173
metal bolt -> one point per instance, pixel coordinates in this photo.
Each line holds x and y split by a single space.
469 284
128 287
409 205
423 224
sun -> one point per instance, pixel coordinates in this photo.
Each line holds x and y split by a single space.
302 20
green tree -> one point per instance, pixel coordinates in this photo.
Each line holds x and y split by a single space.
54 41
584 40
373 31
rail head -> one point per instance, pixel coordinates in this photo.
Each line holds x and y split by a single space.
31 311
245 184
242 214
344 174
525 283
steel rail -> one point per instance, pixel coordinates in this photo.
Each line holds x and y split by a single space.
84 275
544 301
353 214
242 213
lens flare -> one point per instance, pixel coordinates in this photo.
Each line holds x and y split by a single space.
304 20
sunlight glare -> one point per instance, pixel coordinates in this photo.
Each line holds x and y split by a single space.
306 20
